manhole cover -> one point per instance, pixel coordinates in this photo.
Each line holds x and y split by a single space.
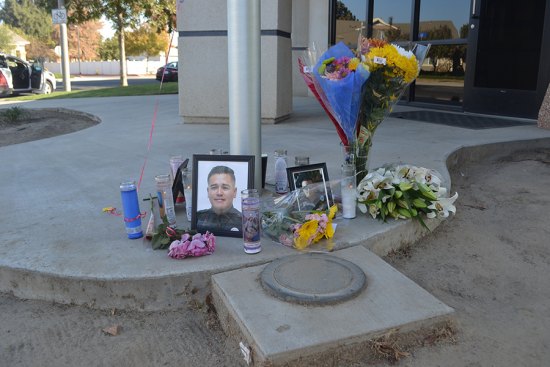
313 279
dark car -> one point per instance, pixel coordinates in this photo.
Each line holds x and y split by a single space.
170 72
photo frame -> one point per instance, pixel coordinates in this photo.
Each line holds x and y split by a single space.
217 200
316 197
177 185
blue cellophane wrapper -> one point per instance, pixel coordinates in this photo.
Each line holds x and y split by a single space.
343 95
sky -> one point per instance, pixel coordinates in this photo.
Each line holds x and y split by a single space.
107 31
400 10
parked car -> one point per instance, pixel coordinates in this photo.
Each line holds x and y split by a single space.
170 72
19 76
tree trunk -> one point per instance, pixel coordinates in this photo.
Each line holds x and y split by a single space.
123 72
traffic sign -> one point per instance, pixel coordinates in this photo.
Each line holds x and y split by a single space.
59 16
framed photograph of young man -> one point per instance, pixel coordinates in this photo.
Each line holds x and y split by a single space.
312 182
217 184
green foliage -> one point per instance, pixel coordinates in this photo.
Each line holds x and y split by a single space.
161 15
454 53
145 41
164 235
132 90
464 30
108 49
13 114
343 13
5 38
29 18
123 14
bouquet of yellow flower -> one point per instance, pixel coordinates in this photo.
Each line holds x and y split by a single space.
359 88
297 228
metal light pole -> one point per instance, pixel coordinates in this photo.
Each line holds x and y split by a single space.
64 50
243 43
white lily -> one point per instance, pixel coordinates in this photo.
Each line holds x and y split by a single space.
373 210
442 207
369 188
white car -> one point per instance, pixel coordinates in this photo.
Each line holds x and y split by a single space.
19 76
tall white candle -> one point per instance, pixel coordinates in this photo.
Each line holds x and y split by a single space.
348 200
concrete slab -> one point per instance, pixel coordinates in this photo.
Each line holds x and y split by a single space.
57 245
281 333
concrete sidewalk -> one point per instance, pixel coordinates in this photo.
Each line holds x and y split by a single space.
57 244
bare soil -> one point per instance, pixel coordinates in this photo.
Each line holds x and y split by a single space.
490 262
41 123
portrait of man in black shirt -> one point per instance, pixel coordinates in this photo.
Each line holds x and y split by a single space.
222 215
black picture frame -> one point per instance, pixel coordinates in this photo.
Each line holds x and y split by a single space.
318 175
177 185
202 218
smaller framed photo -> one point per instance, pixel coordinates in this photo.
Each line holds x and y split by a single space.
312 182
217 184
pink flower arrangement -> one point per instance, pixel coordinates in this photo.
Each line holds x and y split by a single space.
198 245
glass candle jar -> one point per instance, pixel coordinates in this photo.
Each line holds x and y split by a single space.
250 201
349 195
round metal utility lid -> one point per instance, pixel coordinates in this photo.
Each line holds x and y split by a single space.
313 279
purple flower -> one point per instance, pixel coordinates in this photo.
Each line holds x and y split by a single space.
198 245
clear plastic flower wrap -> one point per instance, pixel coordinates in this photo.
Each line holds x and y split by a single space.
404 191
302 219
358 88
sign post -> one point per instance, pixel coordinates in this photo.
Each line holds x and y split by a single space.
59 16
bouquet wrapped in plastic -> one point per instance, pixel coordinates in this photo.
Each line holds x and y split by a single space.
403 192
358 89
295 221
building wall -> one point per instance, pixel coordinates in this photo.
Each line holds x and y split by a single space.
202 45
309 28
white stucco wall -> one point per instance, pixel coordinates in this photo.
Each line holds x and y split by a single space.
309 26
203 86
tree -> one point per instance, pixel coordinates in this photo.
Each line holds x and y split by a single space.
5 38
161 15
84 40
454 53
27 17
108 49
145 41
39 49
123 14
343 13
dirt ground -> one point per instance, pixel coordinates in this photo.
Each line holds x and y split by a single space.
33 124
490 262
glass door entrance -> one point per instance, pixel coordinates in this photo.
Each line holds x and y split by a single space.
444 23
487 56
509 58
